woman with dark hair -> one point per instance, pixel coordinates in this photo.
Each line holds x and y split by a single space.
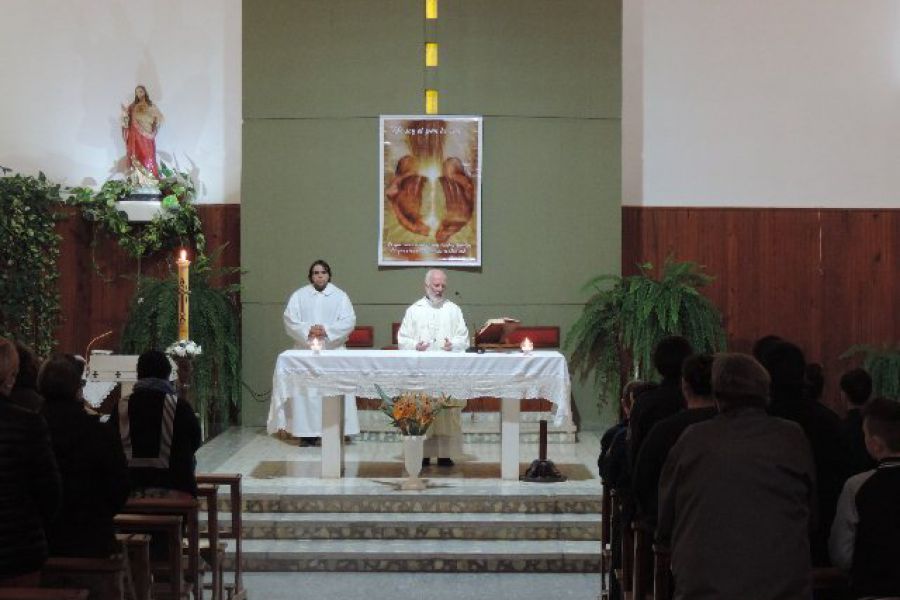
24 393
140 123
91 462
29 483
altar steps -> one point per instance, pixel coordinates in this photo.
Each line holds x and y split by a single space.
426 556
418 526
428 532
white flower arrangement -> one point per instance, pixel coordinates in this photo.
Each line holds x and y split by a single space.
184 348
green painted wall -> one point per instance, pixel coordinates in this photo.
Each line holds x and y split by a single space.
546 75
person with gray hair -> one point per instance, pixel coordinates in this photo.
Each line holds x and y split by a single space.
737 494
434 323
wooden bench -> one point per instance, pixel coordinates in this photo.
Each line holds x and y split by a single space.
235 590
104 577
169 573
137 548
32 593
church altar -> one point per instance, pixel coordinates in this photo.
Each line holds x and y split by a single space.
510 376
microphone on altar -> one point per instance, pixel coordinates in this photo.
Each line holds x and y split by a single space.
471 348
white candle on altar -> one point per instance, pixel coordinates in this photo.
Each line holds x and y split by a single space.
183 295
527 346
315 345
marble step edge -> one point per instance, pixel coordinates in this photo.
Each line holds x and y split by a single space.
588 502
417 556
493 526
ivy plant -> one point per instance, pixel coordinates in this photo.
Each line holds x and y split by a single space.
29 253
627 316
176 225
213 318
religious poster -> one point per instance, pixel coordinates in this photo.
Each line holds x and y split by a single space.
430 191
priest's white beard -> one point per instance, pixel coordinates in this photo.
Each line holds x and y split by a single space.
435 301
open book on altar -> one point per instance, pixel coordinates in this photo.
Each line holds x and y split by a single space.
494 331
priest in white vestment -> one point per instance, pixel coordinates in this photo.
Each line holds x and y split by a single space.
319 310
434 323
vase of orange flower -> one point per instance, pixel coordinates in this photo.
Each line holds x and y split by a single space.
412 414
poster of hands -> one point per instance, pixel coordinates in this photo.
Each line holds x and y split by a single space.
430 191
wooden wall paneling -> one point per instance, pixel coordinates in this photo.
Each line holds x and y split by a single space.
825 279
93 302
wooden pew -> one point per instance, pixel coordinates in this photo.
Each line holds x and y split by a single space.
170 527
662 576
642 576
104 577
605 541
210 549
31 593
235 590
188 510
137 549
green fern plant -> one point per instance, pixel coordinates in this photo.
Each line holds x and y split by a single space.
153 323
883 364
627 316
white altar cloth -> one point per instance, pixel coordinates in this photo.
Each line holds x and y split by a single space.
510 376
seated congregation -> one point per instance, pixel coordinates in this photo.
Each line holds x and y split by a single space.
733 480
100 505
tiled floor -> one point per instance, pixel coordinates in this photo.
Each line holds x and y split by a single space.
272 465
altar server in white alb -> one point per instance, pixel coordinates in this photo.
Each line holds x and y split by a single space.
319 310
437 324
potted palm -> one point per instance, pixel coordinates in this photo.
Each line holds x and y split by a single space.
627 316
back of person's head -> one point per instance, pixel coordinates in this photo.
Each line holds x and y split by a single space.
739 381
153 363
669 353
857 386
28 367
786 365
59 379
632 390
696 372
881 419
814 376
763 345
9 365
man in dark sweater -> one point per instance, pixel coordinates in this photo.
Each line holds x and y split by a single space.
856 388
666 400
159 433
867 522
696 386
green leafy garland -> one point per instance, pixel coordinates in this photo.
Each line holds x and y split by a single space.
883 364
153 323
176 225
627 320
29 251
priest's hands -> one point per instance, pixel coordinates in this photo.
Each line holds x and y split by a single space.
422 346
317 331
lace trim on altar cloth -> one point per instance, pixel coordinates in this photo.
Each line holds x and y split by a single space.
556 390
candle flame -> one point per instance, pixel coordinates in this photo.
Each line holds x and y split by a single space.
183 254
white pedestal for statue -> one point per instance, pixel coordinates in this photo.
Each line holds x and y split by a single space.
139 211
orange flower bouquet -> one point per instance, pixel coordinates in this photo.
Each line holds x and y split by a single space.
410 412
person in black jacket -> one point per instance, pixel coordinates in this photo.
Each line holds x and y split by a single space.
666 400
786 365
91 462
856 387
159 432
696 385
29 483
